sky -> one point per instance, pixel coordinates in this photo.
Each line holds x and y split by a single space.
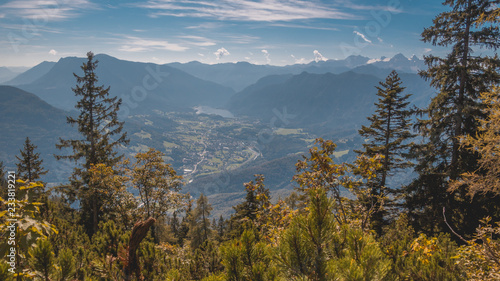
276 32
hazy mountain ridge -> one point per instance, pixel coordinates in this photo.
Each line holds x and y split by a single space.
24 115
150 85
31 74
6 74
243 74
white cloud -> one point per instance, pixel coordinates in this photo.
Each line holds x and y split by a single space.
205 25
300 61
427 50
136 44
362 36
246 10
221 52
46 10
53 52
318 56
201 55
198 41
380 40
266 54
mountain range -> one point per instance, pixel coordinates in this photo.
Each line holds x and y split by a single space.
294 104
243 74
176 86
148 85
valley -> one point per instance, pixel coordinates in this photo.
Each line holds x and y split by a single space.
217 135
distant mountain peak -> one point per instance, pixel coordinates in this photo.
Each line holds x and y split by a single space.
399 57
356 60
357 57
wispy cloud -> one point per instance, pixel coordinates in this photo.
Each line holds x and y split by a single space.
350 5
246 10
33 29
305 26
46 10
221 52
318 56
198 41
53 52
240 39
362 36
206 25
136 44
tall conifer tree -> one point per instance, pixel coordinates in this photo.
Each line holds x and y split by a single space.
101 134
459 77
200 222
388 133
29 167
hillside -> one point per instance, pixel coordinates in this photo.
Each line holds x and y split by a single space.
329 101
25 115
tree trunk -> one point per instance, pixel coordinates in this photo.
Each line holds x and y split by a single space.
139 231
454 173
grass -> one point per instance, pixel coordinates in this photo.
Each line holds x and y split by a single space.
140 148
340 153
143 135
168 145
286 132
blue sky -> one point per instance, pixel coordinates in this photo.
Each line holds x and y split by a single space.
276 32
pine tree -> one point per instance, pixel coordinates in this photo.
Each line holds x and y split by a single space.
175 225
389 134
459 77
29 167
102 133
185 223
42 259
221 228
248 258
486 182
257 198
200 223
